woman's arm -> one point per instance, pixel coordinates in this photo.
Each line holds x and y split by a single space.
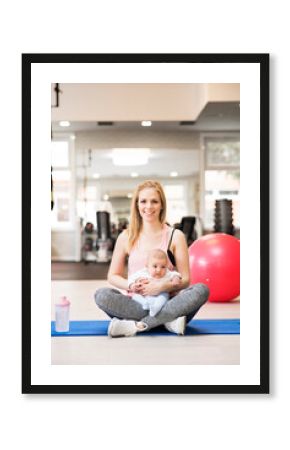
180 251
117 266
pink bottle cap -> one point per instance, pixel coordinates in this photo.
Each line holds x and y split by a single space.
64 301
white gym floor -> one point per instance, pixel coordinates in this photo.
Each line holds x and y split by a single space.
143 349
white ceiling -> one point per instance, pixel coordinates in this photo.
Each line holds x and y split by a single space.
216 117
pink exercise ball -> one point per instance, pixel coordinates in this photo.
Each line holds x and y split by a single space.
215 261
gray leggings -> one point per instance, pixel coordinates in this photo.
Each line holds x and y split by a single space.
186 303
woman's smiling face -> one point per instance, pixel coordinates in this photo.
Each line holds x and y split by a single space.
149 204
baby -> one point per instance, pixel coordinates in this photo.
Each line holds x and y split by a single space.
156 268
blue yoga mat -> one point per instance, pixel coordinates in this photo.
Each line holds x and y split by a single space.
195 326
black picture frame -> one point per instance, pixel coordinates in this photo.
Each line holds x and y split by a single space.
245 58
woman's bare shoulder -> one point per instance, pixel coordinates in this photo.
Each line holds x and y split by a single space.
122 240
123 237
178 240
177 235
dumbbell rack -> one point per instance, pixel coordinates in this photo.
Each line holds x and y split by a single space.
223 218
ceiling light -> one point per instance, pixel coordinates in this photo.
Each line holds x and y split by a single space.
129 195
130 156
106 197
173 174
64 123
134 174
96 175
146 123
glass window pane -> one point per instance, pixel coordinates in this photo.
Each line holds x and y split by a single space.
62 197
62 206
176 206
222 152
173 191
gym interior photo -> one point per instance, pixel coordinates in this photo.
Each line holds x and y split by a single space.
108 138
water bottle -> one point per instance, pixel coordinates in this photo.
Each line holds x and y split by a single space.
62 315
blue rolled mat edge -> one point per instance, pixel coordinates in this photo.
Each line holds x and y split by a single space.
194 327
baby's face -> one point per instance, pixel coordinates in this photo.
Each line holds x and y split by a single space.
157 267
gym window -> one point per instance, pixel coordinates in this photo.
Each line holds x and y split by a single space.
61 163
221 176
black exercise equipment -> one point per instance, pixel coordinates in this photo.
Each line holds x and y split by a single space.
187 226
223 217
103 225
104 242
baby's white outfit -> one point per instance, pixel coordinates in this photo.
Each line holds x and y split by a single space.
153 303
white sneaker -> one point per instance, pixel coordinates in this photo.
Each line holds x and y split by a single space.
177 326
119 328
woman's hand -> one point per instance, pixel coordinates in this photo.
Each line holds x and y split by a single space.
176 281
137 286
153 287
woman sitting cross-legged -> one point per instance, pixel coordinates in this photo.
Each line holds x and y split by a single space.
147 231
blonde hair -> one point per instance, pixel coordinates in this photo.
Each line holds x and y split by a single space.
135 223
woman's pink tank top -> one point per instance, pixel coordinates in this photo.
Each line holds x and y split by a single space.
138 258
